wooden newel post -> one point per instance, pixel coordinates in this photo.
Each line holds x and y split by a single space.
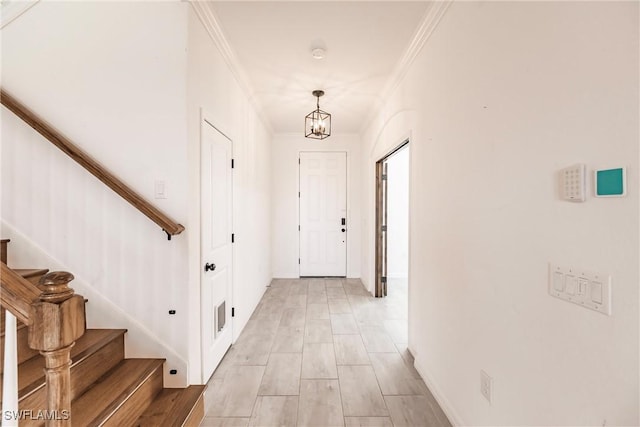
58 321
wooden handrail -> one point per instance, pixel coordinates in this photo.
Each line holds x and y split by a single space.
17 294
92 166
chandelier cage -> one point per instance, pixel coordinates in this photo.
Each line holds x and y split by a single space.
317 123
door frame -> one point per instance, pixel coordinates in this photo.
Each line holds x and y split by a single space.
380 280
206 119
348 205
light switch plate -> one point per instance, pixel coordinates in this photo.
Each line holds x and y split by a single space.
582 287
160 190
573 183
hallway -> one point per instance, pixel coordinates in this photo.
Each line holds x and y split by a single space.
321 352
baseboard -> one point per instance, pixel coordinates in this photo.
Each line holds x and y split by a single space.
239 328
436 390
297 276
101 312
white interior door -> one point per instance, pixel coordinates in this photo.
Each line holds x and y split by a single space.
323 214
216 228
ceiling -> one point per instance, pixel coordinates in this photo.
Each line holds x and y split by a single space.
272 42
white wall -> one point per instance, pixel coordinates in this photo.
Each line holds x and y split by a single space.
132 99
502 96
284 193
398 214
213 87
118 92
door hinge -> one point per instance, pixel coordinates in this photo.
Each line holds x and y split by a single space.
384 228
233 312
383 279
298 228
298 194
384 177
233 163
233 238
298 160
298 260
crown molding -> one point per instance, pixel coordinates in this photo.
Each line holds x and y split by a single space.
212 26
12 10
427 26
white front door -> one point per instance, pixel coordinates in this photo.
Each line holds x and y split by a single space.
216 263
323 214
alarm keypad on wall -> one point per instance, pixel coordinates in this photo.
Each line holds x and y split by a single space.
573 183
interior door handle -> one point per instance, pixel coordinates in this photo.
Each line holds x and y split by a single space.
344 229
209 267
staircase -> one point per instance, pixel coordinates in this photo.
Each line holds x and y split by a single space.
106 388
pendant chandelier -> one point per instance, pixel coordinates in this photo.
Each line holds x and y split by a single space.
317 123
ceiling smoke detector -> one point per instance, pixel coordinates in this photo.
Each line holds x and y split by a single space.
318 53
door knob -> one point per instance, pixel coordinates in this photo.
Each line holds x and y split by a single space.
344 229
209 267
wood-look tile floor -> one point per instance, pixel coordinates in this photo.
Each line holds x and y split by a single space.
322 352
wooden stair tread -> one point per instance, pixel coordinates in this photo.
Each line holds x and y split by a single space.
31 372
112 390
174 407
31 272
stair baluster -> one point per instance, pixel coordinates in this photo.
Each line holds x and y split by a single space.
10 378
